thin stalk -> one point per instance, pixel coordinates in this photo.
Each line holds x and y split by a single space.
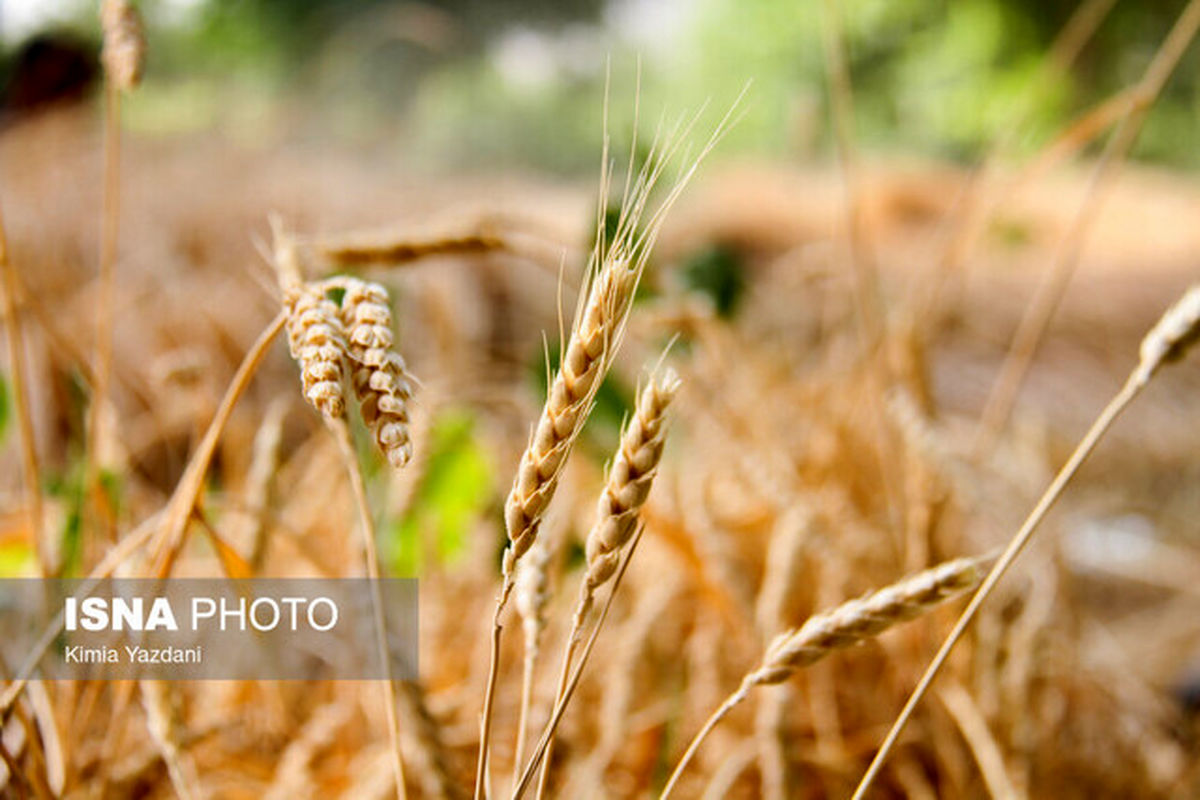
867 294
730 703
564 675
183 500
1036 320
1110 413
110 211
341 432
31 473
561 706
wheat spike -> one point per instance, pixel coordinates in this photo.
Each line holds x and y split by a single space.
844 626
1170 338
124 51
583 367
864 618
380 377
316 341
629 480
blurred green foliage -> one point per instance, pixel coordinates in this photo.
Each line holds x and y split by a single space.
454 490
492 82
717 273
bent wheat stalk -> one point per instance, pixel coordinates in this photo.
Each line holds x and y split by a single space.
1167 341
629 481
847 625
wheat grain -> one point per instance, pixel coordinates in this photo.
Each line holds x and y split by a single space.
317 342
124 51
380 377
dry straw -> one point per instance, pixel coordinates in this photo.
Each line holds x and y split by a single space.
1167 341
845 626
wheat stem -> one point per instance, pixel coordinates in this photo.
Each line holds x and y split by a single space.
341 433
1036 320
561 705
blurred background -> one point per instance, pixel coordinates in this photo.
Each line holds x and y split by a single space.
520 83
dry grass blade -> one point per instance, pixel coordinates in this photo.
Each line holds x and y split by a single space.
183 499
847 625
1167 341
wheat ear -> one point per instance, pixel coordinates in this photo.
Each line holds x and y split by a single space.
629 480
379 375
124 50
1167 341
849 624
317 341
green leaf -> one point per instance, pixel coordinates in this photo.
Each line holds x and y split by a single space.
454 491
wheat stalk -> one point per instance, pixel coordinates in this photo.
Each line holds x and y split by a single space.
629 480
615 269
1053 287
532 597
1168 341
849 624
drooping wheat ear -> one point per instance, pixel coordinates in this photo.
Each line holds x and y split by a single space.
124 51
848 624
1170 338
629 480
317 342
379 375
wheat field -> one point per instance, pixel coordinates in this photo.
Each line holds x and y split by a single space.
698 461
